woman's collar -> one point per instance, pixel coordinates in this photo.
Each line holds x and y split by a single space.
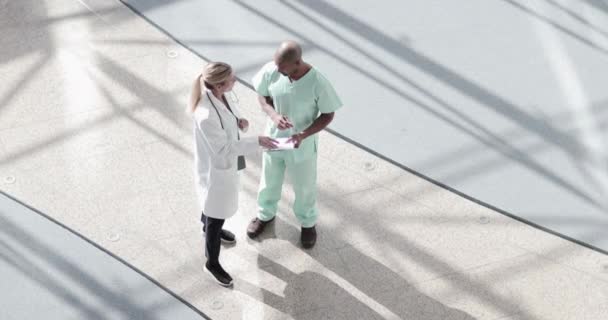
215 99
211 95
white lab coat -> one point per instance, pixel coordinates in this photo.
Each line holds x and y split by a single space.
217 149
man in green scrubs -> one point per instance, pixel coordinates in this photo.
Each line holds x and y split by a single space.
300 102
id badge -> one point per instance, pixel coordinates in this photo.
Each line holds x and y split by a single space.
240 164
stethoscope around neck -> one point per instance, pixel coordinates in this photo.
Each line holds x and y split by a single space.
220 117
240 159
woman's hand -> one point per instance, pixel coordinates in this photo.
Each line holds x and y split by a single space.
243 124
267 142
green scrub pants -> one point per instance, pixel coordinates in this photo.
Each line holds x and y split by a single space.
303 175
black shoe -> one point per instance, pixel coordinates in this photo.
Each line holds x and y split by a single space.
308 237
219 274
256 226
225 235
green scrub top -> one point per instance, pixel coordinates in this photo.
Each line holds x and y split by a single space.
301 101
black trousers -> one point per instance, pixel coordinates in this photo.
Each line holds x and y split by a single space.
212 228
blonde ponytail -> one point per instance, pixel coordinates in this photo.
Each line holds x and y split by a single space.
195 94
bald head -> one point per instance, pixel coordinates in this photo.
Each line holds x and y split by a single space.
289 52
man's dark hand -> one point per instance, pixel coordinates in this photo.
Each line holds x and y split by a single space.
281 121
296 139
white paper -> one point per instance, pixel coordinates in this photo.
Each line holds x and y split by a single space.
282 144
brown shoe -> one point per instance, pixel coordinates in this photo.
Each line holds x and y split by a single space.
308 237
256 226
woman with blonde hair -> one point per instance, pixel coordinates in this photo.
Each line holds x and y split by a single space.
218 157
